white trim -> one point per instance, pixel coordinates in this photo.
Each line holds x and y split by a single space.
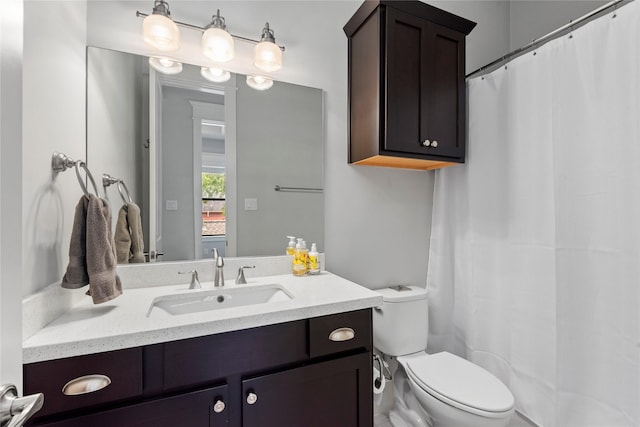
231 169
11 178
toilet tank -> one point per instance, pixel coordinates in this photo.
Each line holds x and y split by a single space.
401 323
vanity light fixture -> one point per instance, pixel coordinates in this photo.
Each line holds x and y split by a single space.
165 65
267 54
159 30
216 75
217 43
259 82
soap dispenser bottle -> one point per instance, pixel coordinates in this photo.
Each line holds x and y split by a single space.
300 259
314 260
291 247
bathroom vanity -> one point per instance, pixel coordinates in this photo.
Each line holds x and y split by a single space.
303 361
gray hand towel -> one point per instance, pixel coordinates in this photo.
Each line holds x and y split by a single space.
135 226
128 235
122 237
104 283
76 275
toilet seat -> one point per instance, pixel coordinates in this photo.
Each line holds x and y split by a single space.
459 383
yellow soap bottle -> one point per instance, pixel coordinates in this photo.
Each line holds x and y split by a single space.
300 259
291 247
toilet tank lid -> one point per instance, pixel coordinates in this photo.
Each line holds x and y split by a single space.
402 293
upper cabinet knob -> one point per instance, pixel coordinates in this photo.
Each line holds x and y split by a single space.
426 143
434 144
219 406
252 398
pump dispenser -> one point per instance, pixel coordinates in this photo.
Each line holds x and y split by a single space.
314 260
291 247
300 259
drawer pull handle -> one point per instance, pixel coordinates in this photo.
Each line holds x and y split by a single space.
342 334
86 384
252 398
219 406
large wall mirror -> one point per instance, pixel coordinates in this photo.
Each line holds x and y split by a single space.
203 160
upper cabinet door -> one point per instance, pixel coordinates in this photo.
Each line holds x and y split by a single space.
445 92
407 78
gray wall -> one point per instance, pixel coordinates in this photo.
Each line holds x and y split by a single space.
53 109
533 19
279 142
116 123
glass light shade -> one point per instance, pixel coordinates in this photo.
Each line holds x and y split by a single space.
259 82
161 32
267 56
166 65
215 74
217 44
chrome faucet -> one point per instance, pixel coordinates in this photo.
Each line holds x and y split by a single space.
195 281
219 273
240 280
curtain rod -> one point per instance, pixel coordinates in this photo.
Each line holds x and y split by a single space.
549 36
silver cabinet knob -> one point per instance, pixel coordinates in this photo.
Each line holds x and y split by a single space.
426 143
252 398
434 144
219 406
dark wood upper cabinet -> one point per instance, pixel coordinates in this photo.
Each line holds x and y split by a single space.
407 99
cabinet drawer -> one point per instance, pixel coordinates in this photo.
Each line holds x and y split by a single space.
340 332
122 367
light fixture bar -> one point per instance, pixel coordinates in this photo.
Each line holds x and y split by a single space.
201 29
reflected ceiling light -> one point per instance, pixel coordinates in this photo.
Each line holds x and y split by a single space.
165 65
267 54
259 82
217 43
159 30
215 74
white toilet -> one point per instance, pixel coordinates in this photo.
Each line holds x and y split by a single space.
439 390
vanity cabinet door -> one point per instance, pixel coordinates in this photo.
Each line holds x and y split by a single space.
196 409
335 393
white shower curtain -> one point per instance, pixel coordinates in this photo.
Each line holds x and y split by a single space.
534 268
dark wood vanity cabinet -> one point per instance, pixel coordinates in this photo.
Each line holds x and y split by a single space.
407 96
289 374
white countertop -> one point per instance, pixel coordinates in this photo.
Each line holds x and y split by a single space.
123 322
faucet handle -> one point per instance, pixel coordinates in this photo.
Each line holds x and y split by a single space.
214 253
240 280
195 281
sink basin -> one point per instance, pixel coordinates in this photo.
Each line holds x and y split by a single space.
216 299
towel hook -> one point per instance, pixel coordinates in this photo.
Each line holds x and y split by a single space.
122 186
60 162
83 165
108 180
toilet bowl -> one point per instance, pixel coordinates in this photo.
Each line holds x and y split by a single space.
441 389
